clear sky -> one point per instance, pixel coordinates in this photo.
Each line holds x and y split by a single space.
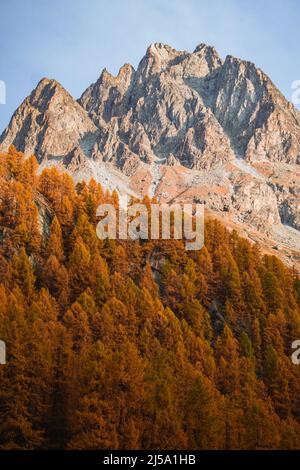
73 40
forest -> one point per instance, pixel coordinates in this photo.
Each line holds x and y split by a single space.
137 344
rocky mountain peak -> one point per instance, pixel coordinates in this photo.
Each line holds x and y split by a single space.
205 47
108 92
48 93
49 123
210 55
161 57
123 77
157 58
162 53
184 126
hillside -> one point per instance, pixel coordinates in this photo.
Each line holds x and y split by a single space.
128 345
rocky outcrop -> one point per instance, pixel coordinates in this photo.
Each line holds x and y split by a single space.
154 112
49 124
261 123
109 96
255 203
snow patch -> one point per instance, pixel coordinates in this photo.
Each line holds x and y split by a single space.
243 166
155 171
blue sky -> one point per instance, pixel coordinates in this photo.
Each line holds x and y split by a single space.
73 40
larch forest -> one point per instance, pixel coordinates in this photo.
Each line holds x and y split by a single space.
141 344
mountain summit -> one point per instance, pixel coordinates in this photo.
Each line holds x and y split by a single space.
49 123
183 127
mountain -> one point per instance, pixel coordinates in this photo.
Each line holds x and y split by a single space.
50 124
185 127
115 344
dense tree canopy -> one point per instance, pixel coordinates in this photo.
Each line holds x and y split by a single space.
137 344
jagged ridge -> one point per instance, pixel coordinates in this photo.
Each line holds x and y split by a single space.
183 126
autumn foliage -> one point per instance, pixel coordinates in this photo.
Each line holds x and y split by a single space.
128 345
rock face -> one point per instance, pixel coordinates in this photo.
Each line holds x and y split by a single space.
50 124
183 127
260 122
153 112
